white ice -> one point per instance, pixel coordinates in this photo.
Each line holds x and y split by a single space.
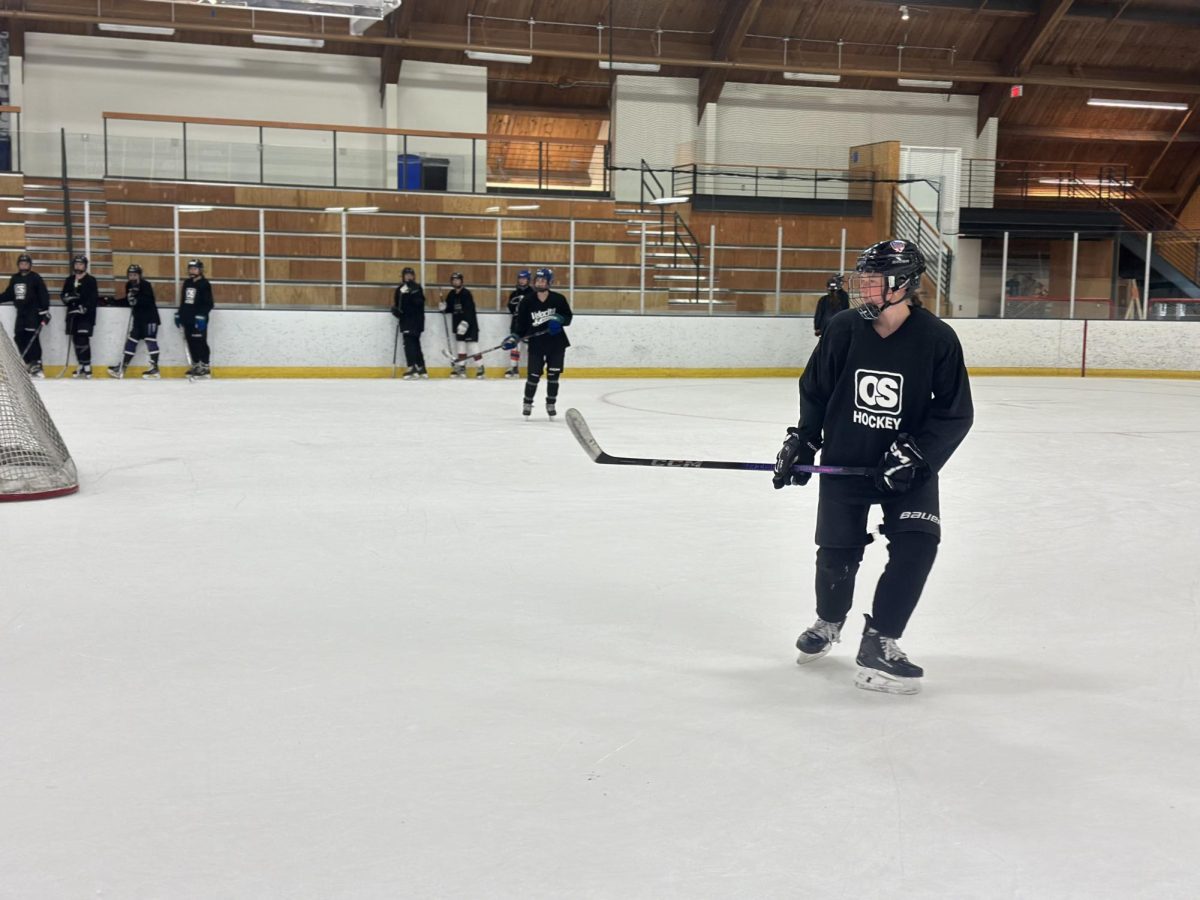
374 639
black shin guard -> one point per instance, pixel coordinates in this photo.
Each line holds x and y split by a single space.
836 571
531 386
910 559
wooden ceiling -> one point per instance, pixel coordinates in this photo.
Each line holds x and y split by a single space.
1062 51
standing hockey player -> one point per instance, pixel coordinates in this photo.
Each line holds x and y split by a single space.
408 306
522 291
143 323
886 386
541 319
460 306
81 296
834 301
195 307
27 292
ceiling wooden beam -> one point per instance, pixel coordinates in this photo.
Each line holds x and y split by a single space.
990 100
1022 54
739 15
397 23
1188 184
1105 135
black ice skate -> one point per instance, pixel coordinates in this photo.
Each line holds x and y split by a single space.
514 372
116 371
479 373
152 374
410 373
203 373
527 408
818 640
882 666
422 373
35 371
550 410
83 373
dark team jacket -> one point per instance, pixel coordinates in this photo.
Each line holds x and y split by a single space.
828 307
81 296
461 307
408 305
27 292
860 390
140 297
534 314
195 299
514 304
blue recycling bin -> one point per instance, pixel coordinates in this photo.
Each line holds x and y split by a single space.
408 172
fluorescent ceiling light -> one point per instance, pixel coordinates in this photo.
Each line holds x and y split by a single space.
335 209
1139 104
522 208
812 76
31 210
1098 182
921 82
665 201
363 209
618 66
488 56
136 29
195 209
283 41
492 209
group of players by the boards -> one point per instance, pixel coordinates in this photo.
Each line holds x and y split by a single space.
538 316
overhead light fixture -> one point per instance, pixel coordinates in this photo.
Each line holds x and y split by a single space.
1139 104
29 210
524 208
136 29
335 209
617 66
487 56
812 76
363 209
184 209
923 83
904 14
280 40
666 201
1093 182
492 209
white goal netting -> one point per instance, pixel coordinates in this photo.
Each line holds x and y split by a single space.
34 461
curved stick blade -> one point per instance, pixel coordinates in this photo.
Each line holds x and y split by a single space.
583 434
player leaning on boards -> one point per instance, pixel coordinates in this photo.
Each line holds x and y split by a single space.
81 296
143 323
541 320
27 292
522 291
408 306
460 306
885 386
195 307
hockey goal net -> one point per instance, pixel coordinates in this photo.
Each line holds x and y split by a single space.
34 461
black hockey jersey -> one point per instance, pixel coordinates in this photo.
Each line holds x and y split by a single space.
514 303
534 314
28 293
408 305
140 297
860 390
81 296
461 307
195 299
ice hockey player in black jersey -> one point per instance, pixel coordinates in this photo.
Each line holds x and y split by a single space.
195 308
143 323
81 296
460 306
522 291
886 387
833 302
408 306
541 319
27 292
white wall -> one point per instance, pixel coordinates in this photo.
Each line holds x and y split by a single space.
68 80
654 120
964 287
307 339
441 97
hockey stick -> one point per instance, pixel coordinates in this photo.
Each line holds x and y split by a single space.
187 352
395 348
583 434
29 343
70 344
499 346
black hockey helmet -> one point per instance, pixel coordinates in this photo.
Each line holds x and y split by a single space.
26 258
456 276
834 283
196 264
901 263
79 258
134 269
409 270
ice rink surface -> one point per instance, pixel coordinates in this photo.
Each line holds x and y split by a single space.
368 639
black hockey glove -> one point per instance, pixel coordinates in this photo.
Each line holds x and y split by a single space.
796 451
902 467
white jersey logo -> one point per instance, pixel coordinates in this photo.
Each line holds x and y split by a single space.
19 291
878 398
189 295
541 316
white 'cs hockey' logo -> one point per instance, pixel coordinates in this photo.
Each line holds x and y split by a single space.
878 392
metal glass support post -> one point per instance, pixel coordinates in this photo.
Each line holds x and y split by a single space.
344 263
1074 272
499 259
87 228
105 148
184 124
334 133
842 253
1146 276
262 156
474 166
712 264
642 275
571 259
175 229
779 270
262 258
422 248
1003 274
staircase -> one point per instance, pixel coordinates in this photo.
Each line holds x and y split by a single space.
46 232
909 225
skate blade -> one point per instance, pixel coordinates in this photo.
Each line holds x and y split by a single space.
805 658
875 680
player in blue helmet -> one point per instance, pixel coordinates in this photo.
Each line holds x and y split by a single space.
541 320
523 291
